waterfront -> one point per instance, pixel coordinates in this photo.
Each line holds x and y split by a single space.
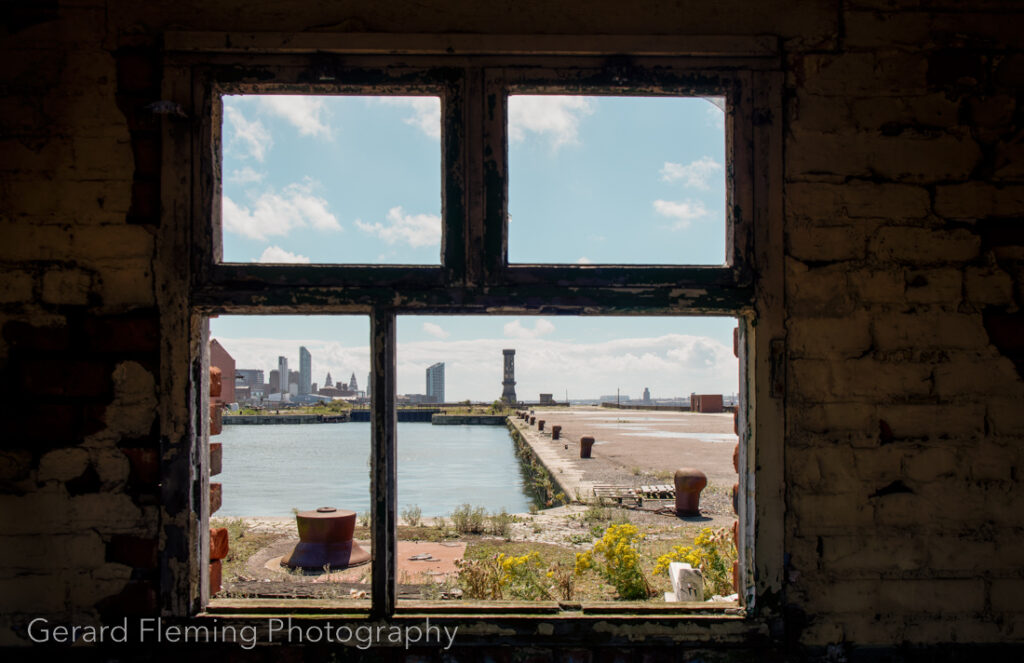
270 470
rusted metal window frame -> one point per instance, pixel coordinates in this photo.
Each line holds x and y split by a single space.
474 276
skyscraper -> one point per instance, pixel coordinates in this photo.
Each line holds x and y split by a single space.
282 373
508 384
305 370
435 383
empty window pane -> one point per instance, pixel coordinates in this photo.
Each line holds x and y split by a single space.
331 179
623 180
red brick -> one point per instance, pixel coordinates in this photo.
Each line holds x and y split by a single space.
214 382
134 551
25 336
215 576
144 466
215 497
123 334
218 543
66 377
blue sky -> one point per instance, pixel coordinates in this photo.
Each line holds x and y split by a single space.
591 180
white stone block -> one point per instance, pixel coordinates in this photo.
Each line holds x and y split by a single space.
687 582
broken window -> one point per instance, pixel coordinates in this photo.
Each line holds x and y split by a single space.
480 271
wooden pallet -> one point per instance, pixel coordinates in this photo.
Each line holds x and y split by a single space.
662 491
615 493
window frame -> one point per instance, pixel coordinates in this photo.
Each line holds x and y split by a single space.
473 78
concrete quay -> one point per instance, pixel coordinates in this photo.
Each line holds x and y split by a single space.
632 448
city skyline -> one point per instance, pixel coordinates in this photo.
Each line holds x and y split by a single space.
552 354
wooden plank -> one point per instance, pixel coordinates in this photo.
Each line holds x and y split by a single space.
471 44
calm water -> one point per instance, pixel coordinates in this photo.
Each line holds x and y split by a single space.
270 470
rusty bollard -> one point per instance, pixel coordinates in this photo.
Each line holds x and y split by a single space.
533 420
586 444
540 425
555 432
689 482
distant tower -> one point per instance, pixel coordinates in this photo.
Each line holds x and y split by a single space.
352 384
508 391
328 382
282 374
435 383
647 395
305 370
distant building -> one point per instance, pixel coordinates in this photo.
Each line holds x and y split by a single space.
293 379
706 403
282 374
647 395
328 382
547 399
352 384
274 385
250 377
435 383
508 384
220 358
305 370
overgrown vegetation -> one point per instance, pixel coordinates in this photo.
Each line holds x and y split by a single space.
538 480
412 514
713 552
616 558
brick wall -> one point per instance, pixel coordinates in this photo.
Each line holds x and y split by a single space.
904 256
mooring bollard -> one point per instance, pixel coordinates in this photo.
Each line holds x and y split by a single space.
533 420
689 482
586 444
325 537
555 432
540 425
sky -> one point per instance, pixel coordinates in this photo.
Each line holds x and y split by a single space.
357 180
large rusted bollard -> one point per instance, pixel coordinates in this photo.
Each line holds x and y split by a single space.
325 538
540 425
586 444
533 420
689 482
556 431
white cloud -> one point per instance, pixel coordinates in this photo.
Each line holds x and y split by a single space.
426 112
670 365
435 330
556 118
277 254
516 329
279 213
696 174
304 112
416 230
683 212
251 138
246 176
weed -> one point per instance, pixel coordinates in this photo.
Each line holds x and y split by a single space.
597 514
619 563
364 519
412 515
565 580
500 523
713 552
468 520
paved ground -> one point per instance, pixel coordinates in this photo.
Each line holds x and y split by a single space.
634 447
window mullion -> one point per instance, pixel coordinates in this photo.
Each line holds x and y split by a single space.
383 509
494 99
